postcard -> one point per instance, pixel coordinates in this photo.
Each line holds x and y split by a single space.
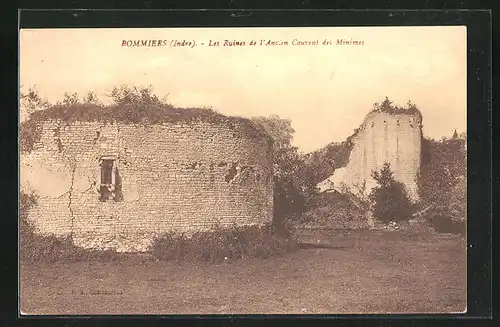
305 170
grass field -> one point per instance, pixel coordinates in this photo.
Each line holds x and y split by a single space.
359 272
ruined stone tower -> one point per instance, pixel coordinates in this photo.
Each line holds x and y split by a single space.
110 183
392 136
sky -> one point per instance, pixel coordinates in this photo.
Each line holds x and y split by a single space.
325 90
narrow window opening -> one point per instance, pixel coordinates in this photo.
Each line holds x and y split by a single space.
98 134
108 179
107 171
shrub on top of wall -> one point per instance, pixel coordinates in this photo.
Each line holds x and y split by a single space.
389 107
222 244
131 113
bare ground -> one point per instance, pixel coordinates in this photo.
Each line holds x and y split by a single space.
359 272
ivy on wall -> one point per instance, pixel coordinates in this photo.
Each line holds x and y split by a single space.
143 114
387 106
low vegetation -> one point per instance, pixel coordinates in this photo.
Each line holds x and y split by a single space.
361 272
50 249
223 245
334 210
214 246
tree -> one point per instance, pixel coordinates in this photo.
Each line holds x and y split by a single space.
442 183
91 98
70 99
31 101
292 185
142 96
390 201
443 164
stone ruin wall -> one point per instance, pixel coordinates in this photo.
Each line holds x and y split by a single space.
174 177
383 137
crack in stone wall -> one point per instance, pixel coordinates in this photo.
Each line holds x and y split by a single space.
173 179
70 193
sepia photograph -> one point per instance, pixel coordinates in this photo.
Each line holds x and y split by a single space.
231 171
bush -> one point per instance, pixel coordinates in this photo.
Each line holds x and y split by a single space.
443 224
335 211
442 219
42 248
390 201
214 246
450 216
222 244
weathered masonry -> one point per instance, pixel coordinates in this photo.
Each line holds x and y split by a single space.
118 185
392 137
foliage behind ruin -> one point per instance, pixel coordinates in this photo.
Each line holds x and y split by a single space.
443 183
293 186
323 162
